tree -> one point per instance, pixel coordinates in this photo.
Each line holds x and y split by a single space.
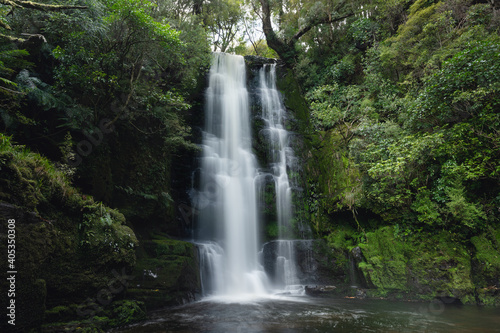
11 5
310 15
221 18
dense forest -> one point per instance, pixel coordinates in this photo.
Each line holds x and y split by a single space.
101 102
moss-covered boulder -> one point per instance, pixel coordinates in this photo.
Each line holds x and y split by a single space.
166 272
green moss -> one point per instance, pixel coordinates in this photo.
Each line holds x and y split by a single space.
486 259
424 267
173 247
166 272
385 264
156 298
289 87
343 237
118 313
488 296
272 231
29 180
104 238
68 244
59 313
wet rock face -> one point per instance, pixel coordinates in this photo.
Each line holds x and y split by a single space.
263 146
166 273
320 290
30 292
305 255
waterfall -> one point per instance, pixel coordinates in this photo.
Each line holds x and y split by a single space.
233 188
228 191
211 257
273 114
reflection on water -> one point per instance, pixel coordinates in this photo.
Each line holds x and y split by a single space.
303 314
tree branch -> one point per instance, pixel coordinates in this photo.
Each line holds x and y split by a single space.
323 20
10 91
38 6
10 3
5 25
12 39
286 49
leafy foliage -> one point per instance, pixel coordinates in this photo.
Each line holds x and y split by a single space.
108 86
412 106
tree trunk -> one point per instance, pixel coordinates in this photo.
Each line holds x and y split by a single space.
286 49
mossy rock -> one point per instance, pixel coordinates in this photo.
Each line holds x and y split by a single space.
116 314
488 296
166 273
62 261
60 313
105 239
95 324
385 266
423 267
157 298
487 259
293 99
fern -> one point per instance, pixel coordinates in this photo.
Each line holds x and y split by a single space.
10 60
7 82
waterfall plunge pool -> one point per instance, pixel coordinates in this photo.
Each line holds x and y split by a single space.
305 314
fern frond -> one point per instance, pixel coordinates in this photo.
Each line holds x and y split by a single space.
11 54
7 82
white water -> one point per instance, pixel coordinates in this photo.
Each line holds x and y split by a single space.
286 268
228 172
273 113
230 182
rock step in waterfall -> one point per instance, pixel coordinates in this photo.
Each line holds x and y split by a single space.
228 225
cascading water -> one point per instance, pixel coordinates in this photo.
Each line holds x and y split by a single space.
231 186
229 169
273 114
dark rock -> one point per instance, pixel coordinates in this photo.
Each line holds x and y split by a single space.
319 290
360 293
312 261
166 274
